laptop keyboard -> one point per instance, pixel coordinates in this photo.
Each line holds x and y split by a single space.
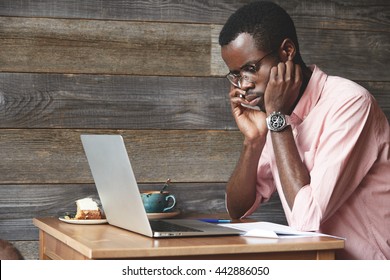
161 226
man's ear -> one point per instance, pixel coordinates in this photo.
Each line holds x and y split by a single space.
287 50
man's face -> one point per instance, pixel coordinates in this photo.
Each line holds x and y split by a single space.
243 53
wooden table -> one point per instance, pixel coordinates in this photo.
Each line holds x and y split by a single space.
59 240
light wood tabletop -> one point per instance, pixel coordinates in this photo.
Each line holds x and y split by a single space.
60 240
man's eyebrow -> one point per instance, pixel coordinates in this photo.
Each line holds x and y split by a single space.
250 63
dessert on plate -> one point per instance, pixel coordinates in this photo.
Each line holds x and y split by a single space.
87 209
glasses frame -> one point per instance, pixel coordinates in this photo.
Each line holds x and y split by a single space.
236 79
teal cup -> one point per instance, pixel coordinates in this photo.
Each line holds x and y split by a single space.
157 202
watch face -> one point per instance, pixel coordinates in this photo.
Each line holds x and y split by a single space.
277 122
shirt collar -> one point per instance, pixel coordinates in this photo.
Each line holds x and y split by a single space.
311 94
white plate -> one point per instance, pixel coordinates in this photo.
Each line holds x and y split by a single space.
83 222
165 215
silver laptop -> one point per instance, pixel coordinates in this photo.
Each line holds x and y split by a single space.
120 195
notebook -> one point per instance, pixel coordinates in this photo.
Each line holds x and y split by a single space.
120 196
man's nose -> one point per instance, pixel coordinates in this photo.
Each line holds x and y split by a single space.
245 85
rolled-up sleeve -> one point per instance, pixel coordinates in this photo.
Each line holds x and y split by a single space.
306 218
339 162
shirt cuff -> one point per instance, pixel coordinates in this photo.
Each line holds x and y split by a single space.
306 214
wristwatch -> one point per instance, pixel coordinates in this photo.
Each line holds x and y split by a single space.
277 121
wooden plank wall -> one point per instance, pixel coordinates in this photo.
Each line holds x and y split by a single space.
151 71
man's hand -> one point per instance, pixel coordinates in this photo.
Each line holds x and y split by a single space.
250 122
283 87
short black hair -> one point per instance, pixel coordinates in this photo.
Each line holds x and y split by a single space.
267 22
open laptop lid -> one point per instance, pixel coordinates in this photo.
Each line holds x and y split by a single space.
112 173
119 193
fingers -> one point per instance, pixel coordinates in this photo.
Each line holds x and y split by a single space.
235 92
290 71
283 86
286 72
273 73
298 74
281 72
237 96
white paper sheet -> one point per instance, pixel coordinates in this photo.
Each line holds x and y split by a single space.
271 230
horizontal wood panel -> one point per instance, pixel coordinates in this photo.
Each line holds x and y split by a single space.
113 102
29 201
56 156
338 14
124 102
171 11
356 55
94 46
76 46
20 203
18 229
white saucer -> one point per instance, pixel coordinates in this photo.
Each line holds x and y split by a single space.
83 222
164 215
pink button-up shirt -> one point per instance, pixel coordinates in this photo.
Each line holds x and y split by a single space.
343 139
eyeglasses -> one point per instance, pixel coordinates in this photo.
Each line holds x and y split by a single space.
247 73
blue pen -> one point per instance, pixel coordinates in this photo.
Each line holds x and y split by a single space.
215 221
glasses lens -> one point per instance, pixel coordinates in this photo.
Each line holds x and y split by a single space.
248 77
234 80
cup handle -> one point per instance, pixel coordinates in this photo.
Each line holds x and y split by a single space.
173 203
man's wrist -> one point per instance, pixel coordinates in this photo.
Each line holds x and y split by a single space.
254 144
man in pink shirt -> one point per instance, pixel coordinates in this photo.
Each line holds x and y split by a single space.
321 141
